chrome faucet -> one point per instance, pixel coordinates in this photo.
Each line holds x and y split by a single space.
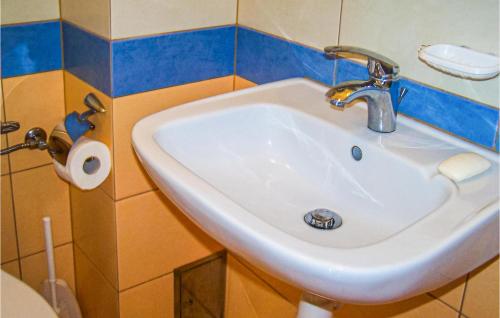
381 91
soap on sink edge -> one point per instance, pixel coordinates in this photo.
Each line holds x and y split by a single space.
463 166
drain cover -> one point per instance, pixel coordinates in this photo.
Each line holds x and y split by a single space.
323 219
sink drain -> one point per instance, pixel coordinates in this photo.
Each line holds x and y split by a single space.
323 219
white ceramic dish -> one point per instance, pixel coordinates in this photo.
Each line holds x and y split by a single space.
460 61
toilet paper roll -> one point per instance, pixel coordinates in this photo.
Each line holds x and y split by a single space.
88 164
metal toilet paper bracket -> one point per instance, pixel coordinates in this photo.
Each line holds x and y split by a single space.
94 105
60 142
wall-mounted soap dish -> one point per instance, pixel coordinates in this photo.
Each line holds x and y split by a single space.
460 61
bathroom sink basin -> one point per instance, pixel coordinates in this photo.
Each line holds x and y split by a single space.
247 167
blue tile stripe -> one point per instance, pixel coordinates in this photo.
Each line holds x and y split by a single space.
454 114
31 48
87 56
124 67
264 58
172 59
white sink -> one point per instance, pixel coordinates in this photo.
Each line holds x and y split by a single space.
247 166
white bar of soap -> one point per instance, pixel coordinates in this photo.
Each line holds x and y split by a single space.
463 166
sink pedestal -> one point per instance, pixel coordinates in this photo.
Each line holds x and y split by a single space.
312 306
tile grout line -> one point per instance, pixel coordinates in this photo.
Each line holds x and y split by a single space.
145 282
235 57
244 264
43 250
443 302
19 24
96 267
11 185
464 295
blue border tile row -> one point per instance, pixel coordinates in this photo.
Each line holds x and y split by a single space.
449 112
31 48
87 56
262 58
172 59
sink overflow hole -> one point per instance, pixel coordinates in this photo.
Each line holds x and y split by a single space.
356 153
323 219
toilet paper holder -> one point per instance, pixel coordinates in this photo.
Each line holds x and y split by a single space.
60 141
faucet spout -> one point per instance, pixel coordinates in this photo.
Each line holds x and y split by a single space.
381 92
347 92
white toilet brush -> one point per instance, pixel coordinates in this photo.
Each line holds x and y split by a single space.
56 291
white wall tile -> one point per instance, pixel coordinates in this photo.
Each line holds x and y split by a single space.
19 11
144 17
397 28
311 22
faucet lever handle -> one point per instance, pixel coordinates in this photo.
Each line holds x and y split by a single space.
379 66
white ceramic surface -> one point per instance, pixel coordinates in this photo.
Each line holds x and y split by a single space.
247 166
21 301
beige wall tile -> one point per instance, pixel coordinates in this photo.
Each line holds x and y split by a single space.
241 83
154 238
247 296
453 293
75 91
154 299
18 11
399 32
91 15
130 177
482 296
97 298
168 16
12 268
34 101
34 267
314 23
40 192
9 239
94 230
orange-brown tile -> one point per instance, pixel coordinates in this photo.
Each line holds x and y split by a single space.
4 167
9 239
94 230
40 192
482 296
289 292
34 267
154 299
130 177
423 306
97 298
248 296
75 91
12 268
241 83
34 101
452 293
154 238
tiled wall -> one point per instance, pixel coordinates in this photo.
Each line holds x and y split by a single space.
272 47
128 237
251 293
32 94
140 57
